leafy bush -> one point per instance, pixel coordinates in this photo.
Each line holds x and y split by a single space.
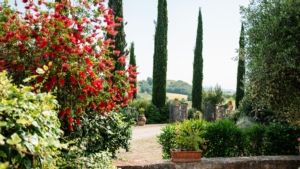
77 159
139 103
30 128
152 114
165 113
255 140
281 139
166 139
191 113
213 96
103 133
225 139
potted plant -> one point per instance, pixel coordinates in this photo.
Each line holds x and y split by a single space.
176 101
197 115
188 142
141 118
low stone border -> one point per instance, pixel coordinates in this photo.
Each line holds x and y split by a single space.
258 162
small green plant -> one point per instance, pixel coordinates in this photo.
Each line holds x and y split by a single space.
197 115
166 139
141 111
188 136
176 99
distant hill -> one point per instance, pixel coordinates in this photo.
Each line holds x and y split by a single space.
173 86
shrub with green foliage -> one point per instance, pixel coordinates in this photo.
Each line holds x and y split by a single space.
166 139
103 133
281 139
78 159
225 139
30 128
255 140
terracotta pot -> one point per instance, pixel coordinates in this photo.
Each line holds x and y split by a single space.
141 120
176 102
186 156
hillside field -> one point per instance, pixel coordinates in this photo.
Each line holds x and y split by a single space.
170 96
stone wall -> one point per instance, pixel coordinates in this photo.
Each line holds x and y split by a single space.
259 162
178 112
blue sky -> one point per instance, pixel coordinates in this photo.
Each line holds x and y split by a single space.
221 31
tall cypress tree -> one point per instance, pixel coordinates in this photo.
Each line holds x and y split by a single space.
198 67
120 42
160 56
241 69
132 62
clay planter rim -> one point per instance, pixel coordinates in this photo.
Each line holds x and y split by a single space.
184 156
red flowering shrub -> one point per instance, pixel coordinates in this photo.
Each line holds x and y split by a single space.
64 50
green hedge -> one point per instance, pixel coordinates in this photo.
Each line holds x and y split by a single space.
227 140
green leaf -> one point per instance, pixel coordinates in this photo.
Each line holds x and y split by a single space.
2 139
15 139
40 71
4 165
27 79
23 121
3 123
2 154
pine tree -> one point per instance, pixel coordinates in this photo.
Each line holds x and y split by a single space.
241 70
160 56
198 67
120 42
132 62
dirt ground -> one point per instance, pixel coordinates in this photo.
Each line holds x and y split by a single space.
144 148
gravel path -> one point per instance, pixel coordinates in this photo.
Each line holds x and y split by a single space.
142 132
144 148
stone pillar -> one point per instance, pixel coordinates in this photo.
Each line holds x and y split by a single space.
219 111
178 112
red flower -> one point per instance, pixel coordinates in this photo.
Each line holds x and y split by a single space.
71 127
61 82
70 120
79 111
93 104
62 114
78 121
109 81
121 72
81 82
68 111
40 79
88 62
122 59
116 52
82 75
81 97
53 79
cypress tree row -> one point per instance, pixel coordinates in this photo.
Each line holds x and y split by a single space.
198 67
241 70
160 56
132 62
120 42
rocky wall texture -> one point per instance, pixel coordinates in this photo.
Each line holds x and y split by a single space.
259 162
